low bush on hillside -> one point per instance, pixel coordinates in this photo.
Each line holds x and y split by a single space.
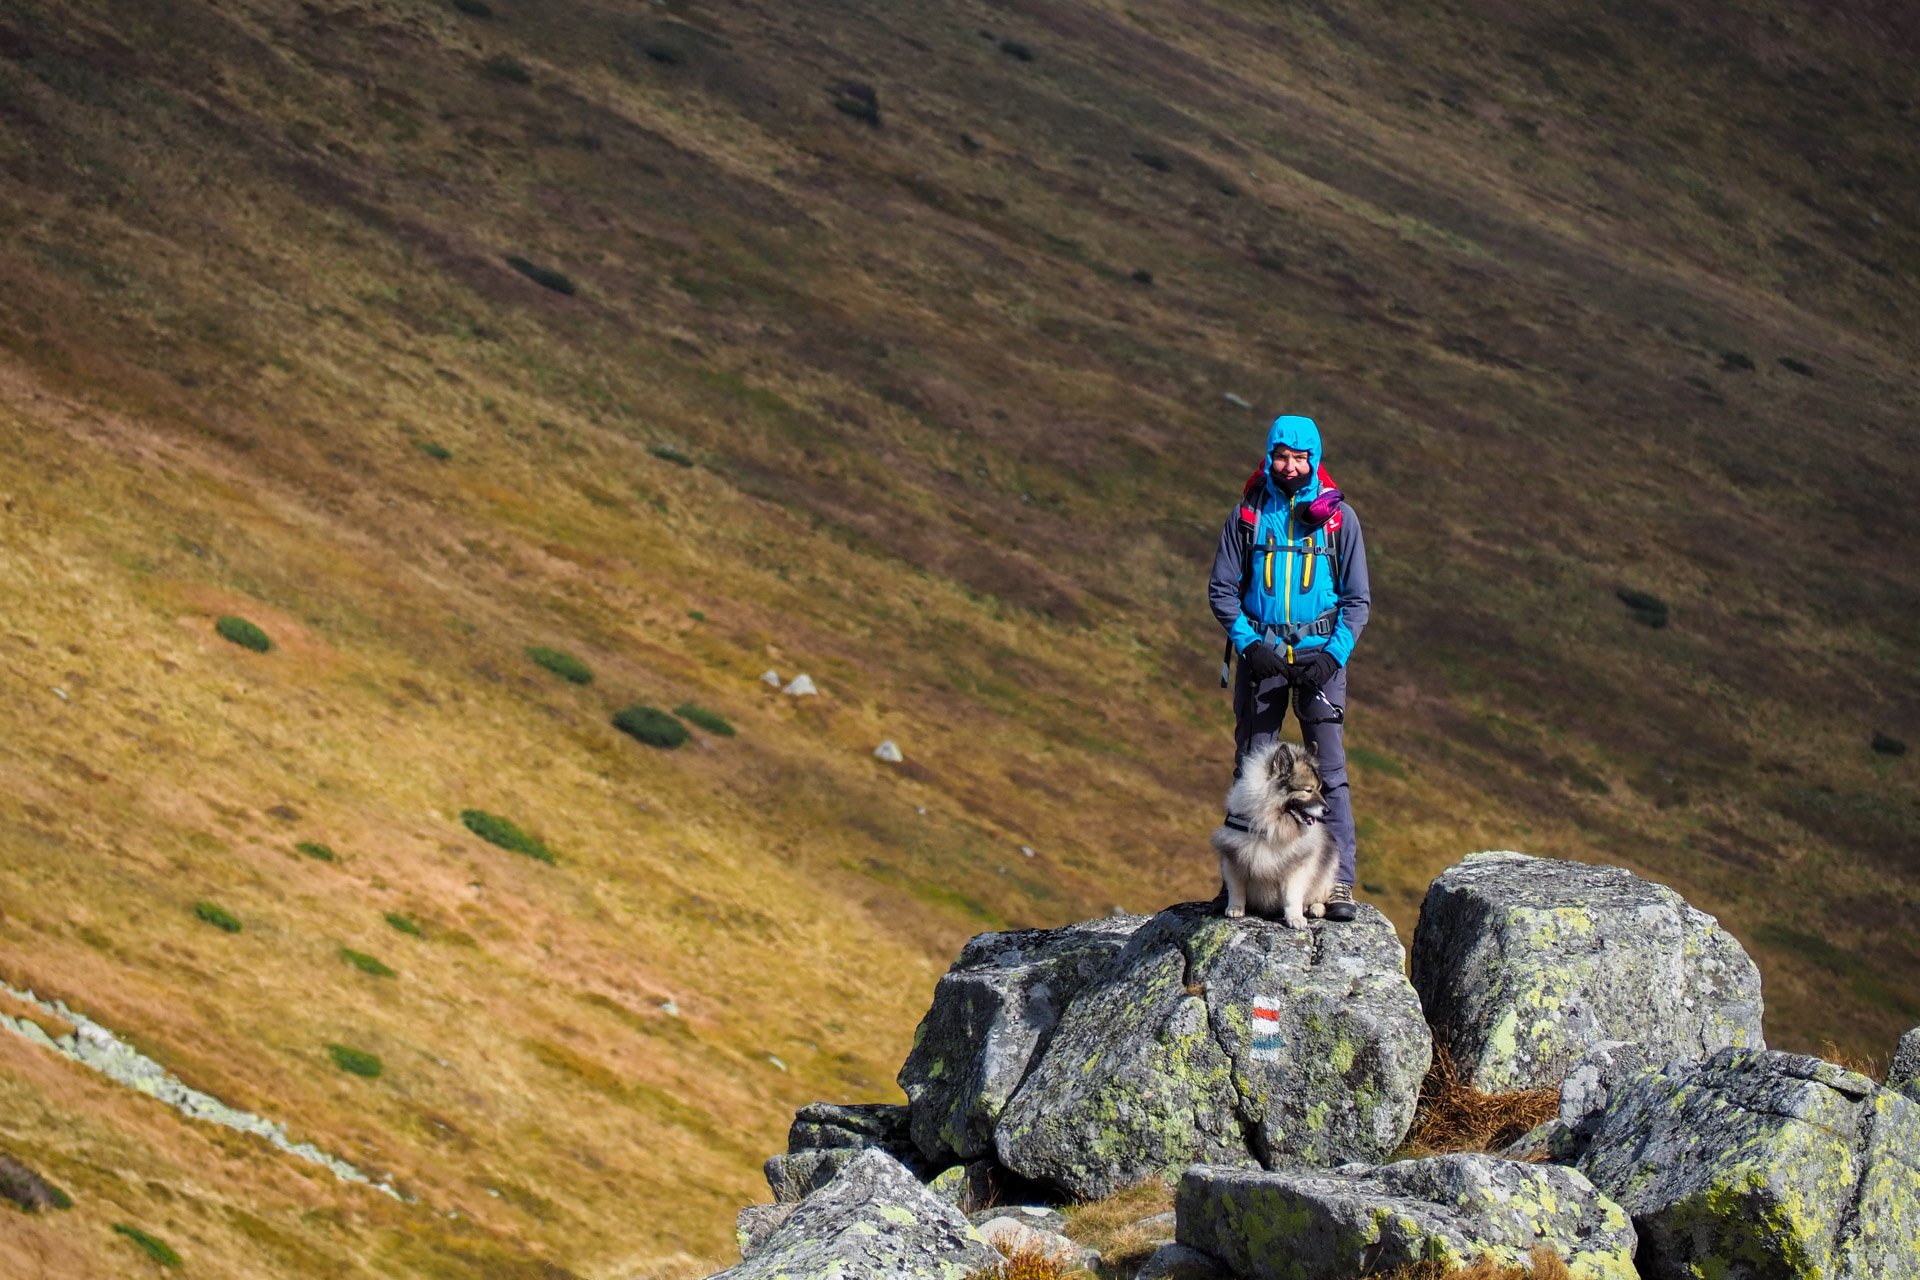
365 963
499 831
1014 49
356 1061
512 70
1142 276
1646 609
859 110
404 925
1455 1116
665 54
652 726
667 453
216 917
545 277
711 721
243 633
1736 362
1796 366
152 1247
438 452
474 8
1888 746
27 1189
562 664
1154 161
314 849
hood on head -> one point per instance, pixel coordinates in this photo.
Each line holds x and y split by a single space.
1299 433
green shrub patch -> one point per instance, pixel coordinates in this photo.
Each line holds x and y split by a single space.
216 917
474 8
243 633
438 452
314 849
667 453
1736 362
403 924
562 664
652 726
711 721
1796 366
1888 746
497 830
665 54
356 1061
158 1250
1154 161
27 1189
1014 49
1648 610
509 69
545 277
365 963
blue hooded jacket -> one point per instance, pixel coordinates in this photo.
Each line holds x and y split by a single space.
1291 588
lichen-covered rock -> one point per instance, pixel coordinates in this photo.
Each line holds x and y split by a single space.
753 1224
1763 1166
1523 962
1178 1262
1903 1073
794 1175
871 1124
1583 1102
1235 1042
873 1221
989 1014
1360 1219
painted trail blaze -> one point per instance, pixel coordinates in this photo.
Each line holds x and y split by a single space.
1266 1028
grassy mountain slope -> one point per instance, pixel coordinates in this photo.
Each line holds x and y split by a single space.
935 410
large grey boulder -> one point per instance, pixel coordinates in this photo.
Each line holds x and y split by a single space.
1583 1102
1234 1042
864 1124
792 1176
990 1013
1763 1166
874 1221
1362 1219
1523 962
1903 1073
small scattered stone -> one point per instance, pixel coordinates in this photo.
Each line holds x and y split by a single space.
801 687
1238 402
1179 1262
770 676
889 752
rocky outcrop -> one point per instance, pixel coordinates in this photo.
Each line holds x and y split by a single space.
753 1224
873 1220
1765 1166
872 1124
1234 1042
1583 1102
1522 963
1903 1073
1360 1219
792 1176
990 1014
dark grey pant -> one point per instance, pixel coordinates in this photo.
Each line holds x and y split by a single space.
1258 712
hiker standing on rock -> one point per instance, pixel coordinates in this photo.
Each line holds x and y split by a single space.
1290 587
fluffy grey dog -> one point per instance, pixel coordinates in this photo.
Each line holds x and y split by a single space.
1283 861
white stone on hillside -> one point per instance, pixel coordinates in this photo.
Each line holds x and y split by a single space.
889 752
801 687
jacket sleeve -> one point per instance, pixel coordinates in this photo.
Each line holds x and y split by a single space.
1223 588
1356 593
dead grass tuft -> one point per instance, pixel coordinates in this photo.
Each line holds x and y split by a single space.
1112 1226
1027 1264
1455 1116
1870 1066
1544 1264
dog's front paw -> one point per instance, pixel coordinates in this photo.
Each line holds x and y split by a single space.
1234 913
1317 910
1296 922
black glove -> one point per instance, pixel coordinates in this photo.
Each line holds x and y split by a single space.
1312 670
1264 660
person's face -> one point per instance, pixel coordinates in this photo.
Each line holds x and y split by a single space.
1290 466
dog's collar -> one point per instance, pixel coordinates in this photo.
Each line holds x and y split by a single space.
1240 824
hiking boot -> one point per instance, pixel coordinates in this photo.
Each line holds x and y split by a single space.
1341 908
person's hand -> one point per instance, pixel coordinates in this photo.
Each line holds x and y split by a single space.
1264 660
1312 670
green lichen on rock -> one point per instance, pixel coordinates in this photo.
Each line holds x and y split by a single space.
873 1218
1155 1064
989 1014
1524 962
1766 1166
1361 1219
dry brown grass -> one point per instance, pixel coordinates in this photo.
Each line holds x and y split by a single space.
1872 1066
1544 1264
1111 1226
1028 1264
1455 1116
